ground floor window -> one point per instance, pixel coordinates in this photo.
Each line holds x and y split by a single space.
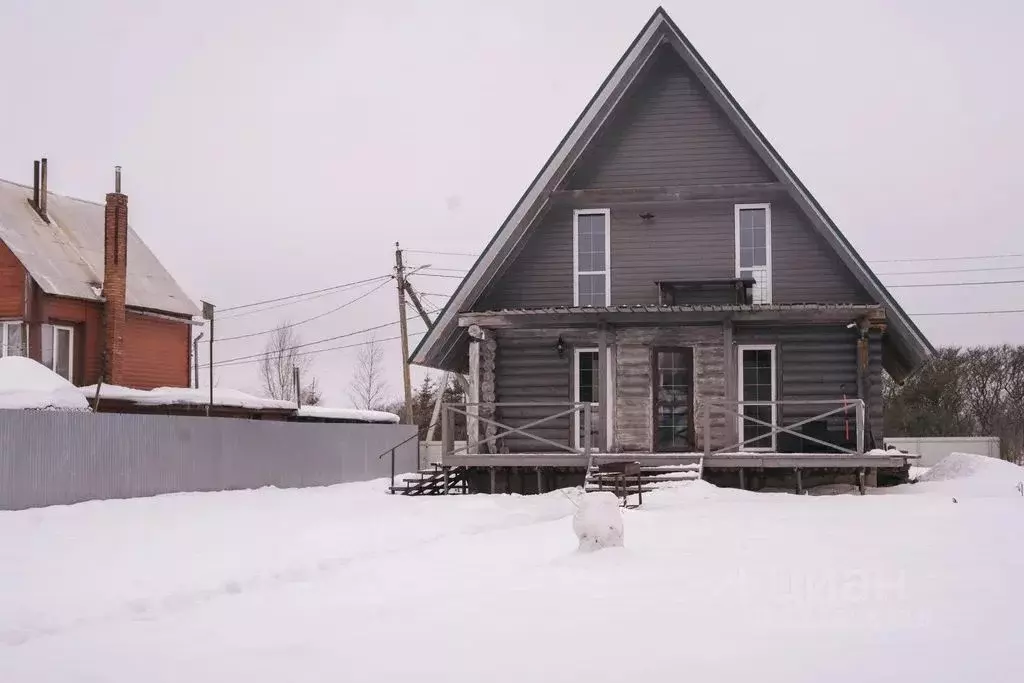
673 399
59 349
587 389
756 396
13 338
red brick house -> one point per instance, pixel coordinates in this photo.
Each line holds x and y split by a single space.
83 295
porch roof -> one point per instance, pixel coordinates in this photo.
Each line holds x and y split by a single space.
646 314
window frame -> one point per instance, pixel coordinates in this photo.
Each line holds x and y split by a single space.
607 272
767 243
656 403
54 329
604 393
4 324
739 395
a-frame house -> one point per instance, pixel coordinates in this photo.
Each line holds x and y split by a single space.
668 271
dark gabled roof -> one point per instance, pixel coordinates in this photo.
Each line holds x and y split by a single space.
911 344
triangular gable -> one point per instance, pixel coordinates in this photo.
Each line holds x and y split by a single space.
912 345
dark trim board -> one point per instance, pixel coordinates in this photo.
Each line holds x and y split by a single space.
723 460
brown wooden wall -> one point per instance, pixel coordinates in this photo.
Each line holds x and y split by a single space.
12 284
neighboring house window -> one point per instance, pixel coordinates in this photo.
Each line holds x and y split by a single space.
754 248
591 258
13 340
59 349
757 395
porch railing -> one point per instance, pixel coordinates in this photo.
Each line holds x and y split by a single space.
472 412
734 410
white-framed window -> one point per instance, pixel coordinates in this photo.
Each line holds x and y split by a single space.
757 392
754 248
591 257
59 349
13 338
587 388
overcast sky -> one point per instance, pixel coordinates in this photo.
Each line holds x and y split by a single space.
270 147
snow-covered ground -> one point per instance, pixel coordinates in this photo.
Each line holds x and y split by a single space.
348 584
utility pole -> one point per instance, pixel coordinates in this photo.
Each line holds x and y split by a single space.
406 378
208 309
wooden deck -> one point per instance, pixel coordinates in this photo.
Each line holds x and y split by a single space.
717 461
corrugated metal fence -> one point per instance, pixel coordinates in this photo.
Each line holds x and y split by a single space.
54 458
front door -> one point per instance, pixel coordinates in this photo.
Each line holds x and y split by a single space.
673 399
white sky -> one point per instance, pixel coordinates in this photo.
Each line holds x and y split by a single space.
270 148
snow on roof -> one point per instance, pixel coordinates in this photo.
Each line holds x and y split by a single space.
326 413
65 256
27 385
164 396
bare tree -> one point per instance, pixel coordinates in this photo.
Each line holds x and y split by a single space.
280 356
368 388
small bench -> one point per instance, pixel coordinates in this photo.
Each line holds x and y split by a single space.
742 288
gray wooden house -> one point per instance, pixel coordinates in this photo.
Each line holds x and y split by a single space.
667 278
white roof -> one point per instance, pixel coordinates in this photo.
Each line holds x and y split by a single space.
65 256
327 413
165 396
27 385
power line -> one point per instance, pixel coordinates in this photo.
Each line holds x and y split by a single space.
242 314
447 270
301 294
951 270
264 354
302 322
330 348
1002 312
439 253
960 284
453 277
947 258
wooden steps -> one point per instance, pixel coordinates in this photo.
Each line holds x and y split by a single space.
637 479
437 481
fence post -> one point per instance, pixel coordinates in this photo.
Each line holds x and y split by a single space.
860 426
392 489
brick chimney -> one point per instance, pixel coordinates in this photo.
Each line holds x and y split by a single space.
115 279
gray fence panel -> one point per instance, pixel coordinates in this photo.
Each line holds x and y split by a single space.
55 458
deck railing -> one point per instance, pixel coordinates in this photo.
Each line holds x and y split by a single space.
735 411
584 412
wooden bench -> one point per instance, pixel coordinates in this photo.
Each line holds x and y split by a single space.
742 288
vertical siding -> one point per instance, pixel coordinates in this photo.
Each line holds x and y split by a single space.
817 362
59 458
685 241
156 352
668 132
12 284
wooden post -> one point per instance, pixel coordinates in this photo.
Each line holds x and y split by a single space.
799 481
494 477
473 397
447 434
610 393
860 426
860 481
540 481
587 423
729 366
602 397
743 479
706 418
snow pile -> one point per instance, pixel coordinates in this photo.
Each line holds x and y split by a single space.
323 412
968 474
27 385
598 521
166 396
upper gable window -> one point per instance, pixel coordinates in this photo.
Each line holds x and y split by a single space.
754 248
592 285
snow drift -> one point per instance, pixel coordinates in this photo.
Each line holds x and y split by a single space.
27 385
598 521
968 474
